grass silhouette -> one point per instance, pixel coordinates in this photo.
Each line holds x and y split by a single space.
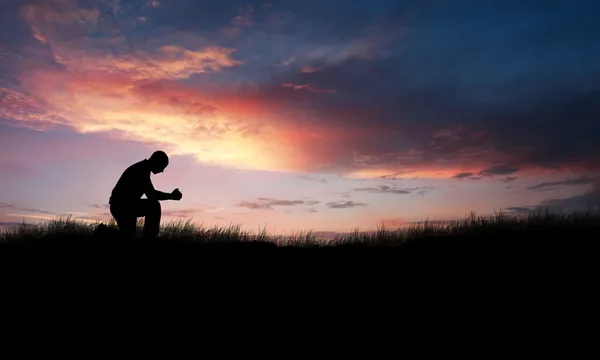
541 232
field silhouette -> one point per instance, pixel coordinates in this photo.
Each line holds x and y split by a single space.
505 235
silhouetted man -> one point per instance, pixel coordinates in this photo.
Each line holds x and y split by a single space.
126 204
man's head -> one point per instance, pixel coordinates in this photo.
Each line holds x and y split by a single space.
158 162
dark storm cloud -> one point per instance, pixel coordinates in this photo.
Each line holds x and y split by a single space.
520 83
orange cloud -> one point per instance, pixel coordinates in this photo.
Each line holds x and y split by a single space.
64 25
222 131
133 94
167 62
26 110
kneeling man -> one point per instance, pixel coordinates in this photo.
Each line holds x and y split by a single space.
126 204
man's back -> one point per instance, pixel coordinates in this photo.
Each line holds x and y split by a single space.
132 184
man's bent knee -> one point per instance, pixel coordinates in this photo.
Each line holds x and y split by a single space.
154 206
153 209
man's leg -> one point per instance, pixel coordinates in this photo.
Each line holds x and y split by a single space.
125 217
151 211
127 226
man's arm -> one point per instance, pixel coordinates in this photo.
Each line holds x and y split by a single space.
153 194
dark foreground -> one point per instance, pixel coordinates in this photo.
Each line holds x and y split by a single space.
540 240
554 242
520 261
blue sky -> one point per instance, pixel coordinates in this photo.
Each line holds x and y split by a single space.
301 114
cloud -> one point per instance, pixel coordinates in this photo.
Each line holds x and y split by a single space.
40 211
245 17
394 176
467 176
310 178
287 62
177 81
463 175
35 217
588 200
344 204
167 62
582 180
93 217
9 224
30 210
344 194
103 206
491 171
387 189
309 87
181 213
269 203
254 205
34 210
6 206
365 47
309 69
499 170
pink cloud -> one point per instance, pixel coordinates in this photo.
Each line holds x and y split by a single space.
133 94
309 69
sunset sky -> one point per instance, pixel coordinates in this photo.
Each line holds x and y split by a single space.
328 115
